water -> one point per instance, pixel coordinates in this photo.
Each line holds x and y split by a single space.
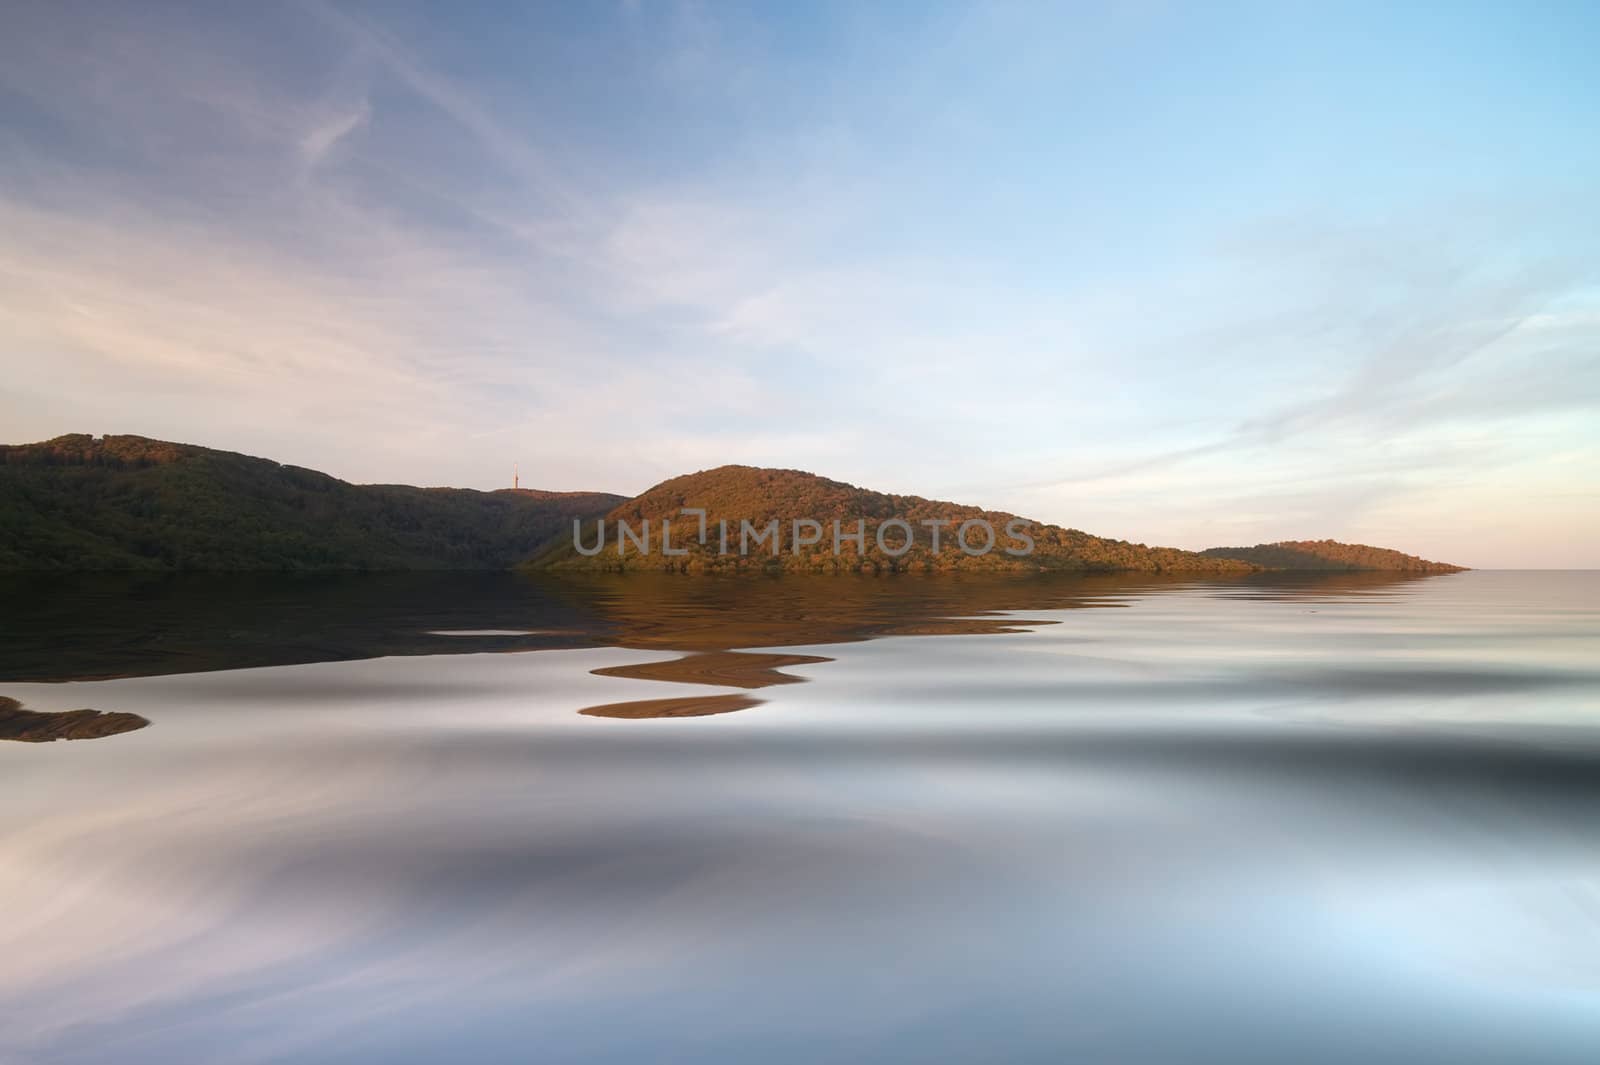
1327 820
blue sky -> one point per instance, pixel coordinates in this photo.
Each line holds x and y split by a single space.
1187 274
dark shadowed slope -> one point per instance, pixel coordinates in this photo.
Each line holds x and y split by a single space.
1330 556
127 502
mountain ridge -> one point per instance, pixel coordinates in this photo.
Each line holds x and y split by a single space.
130 502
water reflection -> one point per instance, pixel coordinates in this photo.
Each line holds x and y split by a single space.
78 627
1241 823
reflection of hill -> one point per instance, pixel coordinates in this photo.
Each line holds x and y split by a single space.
88 626
687 706
29 726
67 626
1316 584
659 610
712 618
731 669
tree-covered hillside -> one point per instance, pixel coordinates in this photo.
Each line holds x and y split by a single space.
737 494
1330 556
128 502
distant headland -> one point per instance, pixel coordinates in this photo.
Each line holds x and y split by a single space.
81 502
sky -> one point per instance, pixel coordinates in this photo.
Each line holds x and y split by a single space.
1187 274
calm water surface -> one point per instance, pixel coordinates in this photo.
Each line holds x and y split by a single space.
1335 820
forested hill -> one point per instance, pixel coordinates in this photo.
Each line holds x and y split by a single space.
736 494
1330 555
128 502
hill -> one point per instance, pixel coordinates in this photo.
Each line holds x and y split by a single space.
80 502
1330 556
740 494
127 502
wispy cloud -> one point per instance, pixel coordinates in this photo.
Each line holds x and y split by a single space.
321 139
